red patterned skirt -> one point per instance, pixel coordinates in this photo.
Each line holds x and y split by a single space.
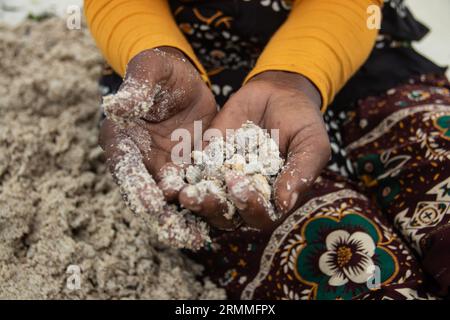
383 234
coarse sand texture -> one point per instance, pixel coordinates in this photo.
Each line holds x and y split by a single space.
58 204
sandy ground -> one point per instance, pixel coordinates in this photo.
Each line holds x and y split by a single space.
58 205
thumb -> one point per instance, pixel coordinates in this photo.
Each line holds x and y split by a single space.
305 161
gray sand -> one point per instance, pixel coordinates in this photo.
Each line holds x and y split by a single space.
58 204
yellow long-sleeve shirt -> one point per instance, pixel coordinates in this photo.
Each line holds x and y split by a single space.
324 40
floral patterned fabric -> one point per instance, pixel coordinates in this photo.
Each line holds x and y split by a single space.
229 35
402 156
367 238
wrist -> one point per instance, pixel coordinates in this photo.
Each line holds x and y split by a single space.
172 52
160 53
159 63
292 81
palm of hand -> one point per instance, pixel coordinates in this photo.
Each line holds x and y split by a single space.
275 103
179 97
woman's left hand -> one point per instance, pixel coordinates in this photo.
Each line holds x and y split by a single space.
290 103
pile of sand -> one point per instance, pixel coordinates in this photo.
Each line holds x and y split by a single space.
58 205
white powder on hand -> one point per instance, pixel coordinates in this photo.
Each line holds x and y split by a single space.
249 152
140 191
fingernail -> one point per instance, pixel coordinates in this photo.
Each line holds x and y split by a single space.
294 198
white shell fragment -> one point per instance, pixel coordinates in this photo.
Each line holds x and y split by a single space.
249 152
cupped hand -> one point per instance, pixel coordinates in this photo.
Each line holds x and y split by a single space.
162 91
287 102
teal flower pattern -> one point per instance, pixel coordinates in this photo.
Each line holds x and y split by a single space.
339 257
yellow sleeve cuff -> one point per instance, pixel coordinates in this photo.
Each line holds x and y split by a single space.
326 41
124 28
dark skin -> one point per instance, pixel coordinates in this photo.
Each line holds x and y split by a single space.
272 100
169 68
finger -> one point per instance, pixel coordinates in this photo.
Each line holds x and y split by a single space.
137 186
181 232
109 136
305 161
125 162
111 133
209 202
144 198
142 195
171 181
154 157
252 202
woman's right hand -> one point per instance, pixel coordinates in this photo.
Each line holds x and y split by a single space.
162 91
